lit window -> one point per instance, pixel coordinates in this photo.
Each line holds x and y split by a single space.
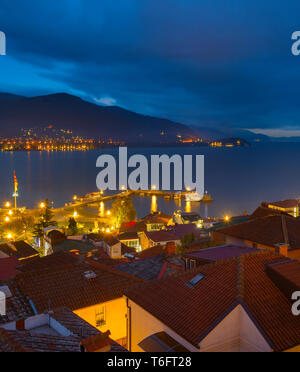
100 316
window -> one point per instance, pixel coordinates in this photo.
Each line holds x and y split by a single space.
100 316
194 281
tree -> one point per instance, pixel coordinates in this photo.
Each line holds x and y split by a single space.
185 242
72 228
45 220
123 210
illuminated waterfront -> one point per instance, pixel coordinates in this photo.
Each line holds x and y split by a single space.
237 178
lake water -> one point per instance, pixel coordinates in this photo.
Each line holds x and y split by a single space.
237 178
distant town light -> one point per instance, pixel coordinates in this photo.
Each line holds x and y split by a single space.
7 219
108 213
42 205
7 204
9 236
10 212
227 218
75 214
75 197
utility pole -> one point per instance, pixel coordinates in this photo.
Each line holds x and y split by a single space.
15 195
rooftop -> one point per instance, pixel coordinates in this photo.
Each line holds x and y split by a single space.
161 236
286 204
69 285
193 311
220 253
8 268
21 250
269 231
155 267
45 336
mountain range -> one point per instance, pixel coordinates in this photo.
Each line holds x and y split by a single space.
87 119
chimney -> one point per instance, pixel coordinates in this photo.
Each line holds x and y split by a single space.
171 249
100 343
282 249
20 325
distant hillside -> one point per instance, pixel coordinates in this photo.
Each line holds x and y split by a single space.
84 118
217 134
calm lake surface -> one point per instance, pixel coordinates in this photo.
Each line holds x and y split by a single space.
237 178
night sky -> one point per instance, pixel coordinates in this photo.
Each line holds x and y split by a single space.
199 62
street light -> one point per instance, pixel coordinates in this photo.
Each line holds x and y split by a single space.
10 212
42 205
7 219
7 205
9 236
108 213
227 218
75 197
75 214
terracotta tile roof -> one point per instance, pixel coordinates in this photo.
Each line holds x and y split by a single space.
52 261
152 268
20 250
111 240
264 212
151 252
69 286
36 341
128 236
137 227
161 236
193 311
220 253
286 204
8 268
157 217
184 229
268 230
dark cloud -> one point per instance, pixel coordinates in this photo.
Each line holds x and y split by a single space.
226 62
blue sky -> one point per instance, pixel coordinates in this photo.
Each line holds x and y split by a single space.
200 62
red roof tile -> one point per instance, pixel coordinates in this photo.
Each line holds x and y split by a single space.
161 236
8 268
69 285
268 230
286 204
192 312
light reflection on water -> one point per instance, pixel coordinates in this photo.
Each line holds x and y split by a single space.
237 179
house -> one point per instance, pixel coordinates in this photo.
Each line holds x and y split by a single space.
156 221
180 218
233 305
151 239
214 254
287 206
152 222
278 233
112 246
154 263
20 250
91 290
56 331
131 240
